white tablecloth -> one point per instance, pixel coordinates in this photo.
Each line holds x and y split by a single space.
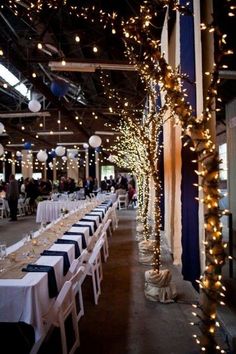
27 299
49 210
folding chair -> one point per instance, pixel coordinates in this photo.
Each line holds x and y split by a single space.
95 269
114 217
77 280
63 307
122 201
105 247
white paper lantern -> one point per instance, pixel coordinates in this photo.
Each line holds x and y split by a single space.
1 150
50 164
64 158
34 106
60 150
1 128
95 141
85 145
71 155
42 156
18 154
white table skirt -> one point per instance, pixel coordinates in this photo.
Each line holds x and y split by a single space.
49 210
27 299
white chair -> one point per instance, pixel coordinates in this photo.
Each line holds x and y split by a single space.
107 226
95 269
105 247
97 233
3 210
20 207
60 311
114 217
73 268
122 201
77 281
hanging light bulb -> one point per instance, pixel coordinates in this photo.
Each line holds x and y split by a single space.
95 49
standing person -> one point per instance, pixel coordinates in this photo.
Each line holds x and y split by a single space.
88 185
12 197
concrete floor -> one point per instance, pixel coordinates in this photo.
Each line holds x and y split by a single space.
124 322
13 231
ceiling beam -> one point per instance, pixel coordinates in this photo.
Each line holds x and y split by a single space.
89 67
24 114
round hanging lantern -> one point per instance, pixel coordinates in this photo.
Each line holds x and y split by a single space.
34 106
18 154
42 156
53 153
59 87
72 155
64 158
95 141
85 145
60 150
50 164
1 150
98 149
1 128
27 145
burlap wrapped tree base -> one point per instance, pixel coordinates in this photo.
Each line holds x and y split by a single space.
139 227
158 286
146 249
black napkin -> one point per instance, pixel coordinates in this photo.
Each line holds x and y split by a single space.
84 225
52 284
100 219
102 210
91 220
66 262
75 243
68 233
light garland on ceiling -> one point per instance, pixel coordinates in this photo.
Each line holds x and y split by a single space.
154 68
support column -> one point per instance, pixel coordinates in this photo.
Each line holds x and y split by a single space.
27 164
13 165
86 163
72 164
54 170
97 167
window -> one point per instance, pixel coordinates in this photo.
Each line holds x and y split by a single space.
13 81
223 165
108 170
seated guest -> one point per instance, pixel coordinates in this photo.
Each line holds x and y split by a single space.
104 184
131 193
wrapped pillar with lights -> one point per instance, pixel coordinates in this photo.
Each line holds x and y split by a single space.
27 164
97 167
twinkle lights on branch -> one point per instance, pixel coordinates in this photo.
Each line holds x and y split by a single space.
144 52
153 67
139 138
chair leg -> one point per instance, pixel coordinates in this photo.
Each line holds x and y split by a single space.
96 285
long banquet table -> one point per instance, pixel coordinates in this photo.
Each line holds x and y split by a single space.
25 296
50 210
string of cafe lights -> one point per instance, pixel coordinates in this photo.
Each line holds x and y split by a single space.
143 136
170 81
128 152
196 128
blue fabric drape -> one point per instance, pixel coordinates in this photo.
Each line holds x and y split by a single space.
190 223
